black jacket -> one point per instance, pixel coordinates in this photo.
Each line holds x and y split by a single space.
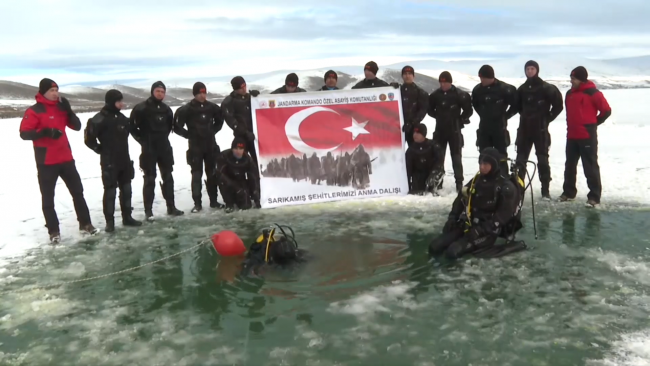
422 158
374 83
283 90
324 87
238 173
107 134
494 202
203 121
151 120
539 104
495 104
451 109
237 113
415 103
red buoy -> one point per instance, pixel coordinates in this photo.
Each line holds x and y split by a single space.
228 244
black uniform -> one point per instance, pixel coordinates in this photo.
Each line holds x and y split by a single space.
273 250
111 128
283 90
495 104
539 104
374 83
203 121
415 103
451 110
151 123
326 88
236 110
238 179
422 163
492 202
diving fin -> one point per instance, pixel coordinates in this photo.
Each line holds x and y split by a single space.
497 251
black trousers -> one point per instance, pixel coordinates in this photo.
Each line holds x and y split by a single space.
200 158
236 196
456 143
47 178
541 139
587 151
455 244
496 138
162 155
114 177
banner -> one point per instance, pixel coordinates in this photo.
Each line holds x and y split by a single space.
329 146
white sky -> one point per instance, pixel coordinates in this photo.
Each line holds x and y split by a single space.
75 40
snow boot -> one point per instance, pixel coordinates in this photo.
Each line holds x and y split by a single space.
173 211
229 209
197 208
592 204
565 198
55 238
88 229
110 226
217 205
148 214
130 221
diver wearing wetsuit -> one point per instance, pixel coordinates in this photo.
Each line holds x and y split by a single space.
273 248
486 209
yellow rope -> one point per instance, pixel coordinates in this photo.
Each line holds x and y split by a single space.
469 202
104 275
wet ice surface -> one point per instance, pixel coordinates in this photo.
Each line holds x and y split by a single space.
370 297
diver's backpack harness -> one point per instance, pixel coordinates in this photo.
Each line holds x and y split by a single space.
519 183
269 236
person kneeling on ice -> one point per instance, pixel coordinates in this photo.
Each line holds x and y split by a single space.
423 163
274 248
488 207
237 177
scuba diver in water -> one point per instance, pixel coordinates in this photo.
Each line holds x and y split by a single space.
488 207
273 248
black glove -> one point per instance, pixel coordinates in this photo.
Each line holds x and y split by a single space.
98 149
407 127
394 85
250 136
65 104
255 93
466 121
52 133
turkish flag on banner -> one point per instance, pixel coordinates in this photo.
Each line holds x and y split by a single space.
328 128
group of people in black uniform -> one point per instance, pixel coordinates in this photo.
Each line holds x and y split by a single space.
486 208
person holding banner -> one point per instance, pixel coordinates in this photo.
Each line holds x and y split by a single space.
371 80
423 164
237 177
330 78
236 110
290 85
415 103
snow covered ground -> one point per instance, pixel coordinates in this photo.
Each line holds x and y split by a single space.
623 159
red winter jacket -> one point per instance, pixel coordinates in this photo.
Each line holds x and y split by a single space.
582 107
49 114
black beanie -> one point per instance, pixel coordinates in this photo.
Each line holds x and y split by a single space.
158 84
492 156
238 142
330 73
45 85
113 96
199 88
580 73
420 128
237 82
532 63
372 67
291 80
408 69
445 77
486 71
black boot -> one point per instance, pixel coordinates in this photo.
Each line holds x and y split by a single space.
110 225
173 211
459 187
125 206
213 193
109 203
197 208
546 196
167 187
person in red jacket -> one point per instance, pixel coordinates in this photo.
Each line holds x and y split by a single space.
586 109
44 123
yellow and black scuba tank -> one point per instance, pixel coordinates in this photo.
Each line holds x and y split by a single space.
277 246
